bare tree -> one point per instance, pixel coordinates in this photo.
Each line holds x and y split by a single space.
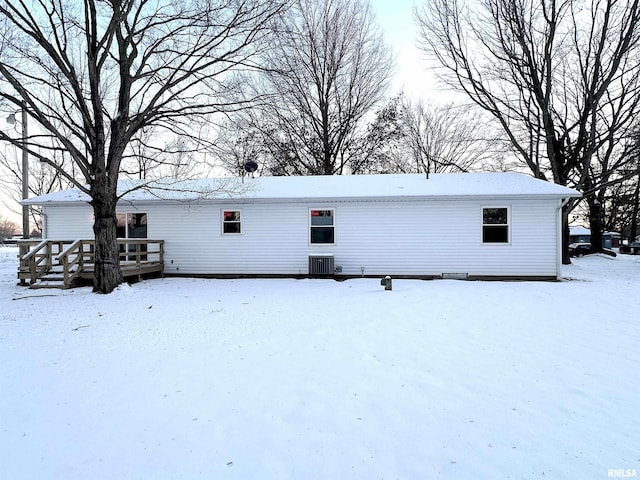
613 162
92 76
238 143
42 179
384 148
151 156
620 199
328 68
448 138
560 77
421 137
8 228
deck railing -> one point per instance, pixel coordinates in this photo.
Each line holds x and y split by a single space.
75 258
72 259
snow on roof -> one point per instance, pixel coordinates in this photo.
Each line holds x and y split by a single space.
579 231
345 187
585 231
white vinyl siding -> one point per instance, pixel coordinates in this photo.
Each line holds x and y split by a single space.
69 222
420 238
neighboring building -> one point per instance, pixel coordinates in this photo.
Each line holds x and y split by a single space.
579 235
583 235
480 225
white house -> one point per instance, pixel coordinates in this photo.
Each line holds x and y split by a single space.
476 225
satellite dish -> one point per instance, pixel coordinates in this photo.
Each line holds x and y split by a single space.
250 166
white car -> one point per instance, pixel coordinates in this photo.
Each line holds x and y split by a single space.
579 249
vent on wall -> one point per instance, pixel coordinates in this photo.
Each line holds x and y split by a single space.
321 265
455 276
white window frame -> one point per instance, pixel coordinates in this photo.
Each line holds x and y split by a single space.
333 216
508 224
223 221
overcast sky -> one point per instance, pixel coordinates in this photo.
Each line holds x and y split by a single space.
400 30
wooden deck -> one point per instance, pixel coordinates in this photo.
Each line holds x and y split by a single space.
66 263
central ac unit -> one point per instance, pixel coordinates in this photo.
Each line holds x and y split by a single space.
321 265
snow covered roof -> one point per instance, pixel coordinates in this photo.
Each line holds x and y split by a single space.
579 231
337 187
585 231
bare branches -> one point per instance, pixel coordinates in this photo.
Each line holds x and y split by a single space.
328 67
93 79
543 69
7 228
422 137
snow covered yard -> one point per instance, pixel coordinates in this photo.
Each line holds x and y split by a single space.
316 379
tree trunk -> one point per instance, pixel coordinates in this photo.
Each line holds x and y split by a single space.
596 223
107 273
634 215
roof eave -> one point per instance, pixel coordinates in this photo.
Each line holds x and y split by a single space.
340 199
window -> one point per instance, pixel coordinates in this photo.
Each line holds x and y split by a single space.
322 226
131 225
495 225
231 222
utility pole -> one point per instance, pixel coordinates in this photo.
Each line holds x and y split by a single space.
11 120
26 231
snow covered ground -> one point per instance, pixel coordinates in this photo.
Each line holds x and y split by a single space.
317 379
